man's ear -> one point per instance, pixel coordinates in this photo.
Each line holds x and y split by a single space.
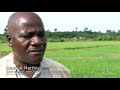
8 39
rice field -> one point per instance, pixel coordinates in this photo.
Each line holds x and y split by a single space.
89 59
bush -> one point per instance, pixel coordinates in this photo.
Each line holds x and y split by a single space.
56 40
2 39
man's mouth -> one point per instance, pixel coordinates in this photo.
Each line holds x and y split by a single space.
36 51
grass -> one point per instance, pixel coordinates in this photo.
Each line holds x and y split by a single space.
93 68
4 49
94 59
88 59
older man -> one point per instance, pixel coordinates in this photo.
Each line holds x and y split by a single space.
26 37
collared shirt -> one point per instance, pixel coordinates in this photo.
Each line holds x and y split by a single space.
42 72
48 69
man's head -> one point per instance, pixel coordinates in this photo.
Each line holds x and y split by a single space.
26 36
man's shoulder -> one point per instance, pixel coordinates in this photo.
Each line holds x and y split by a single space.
56 67
4 64
5 58
50 62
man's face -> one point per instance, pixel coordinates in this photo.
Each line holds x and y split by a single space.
29 42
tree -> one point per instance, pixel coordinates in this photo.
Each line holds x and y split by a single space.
118 31
85 29
48 30
76 28
55 29
108 31
5 31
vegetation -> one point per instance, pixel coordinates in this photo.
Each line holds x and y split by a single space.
86 53
76 35
79 35
85 59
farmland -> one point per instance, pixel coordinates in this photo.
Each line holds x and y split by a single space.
85 59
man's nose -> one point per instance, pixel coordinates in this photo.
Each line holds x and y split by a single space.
36 41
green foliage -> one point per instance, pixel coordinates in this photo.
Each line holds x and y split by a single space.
5 31
2 38
55 40
83 35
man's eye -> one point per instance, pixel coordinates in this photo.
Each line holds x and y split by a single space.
27 36
41 34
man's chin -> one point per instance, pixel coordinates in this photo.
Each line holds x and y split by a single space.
35 59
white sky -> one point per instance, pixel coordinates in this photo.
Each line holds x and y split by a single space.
67 21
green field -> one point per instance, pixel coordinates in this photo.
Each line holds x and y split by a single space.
89 59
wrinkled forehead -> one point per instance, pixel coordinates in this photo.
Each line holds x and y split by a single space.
29 22
31 30
25 23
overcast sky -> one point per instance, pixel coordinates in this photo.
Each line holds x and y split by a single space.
67 21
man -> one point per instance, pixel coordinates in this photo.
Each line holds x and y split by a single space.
26 37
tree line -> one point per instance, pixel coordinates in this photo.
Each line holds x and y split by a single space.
86 34
76 35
